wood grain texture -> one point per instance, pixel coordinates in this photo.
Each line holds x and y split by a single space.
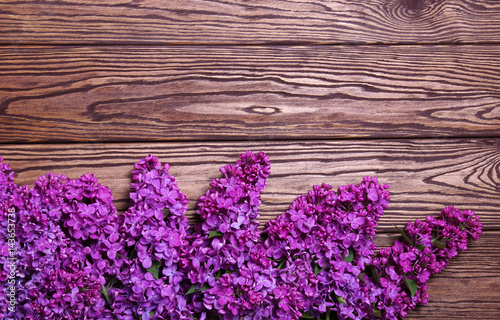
240 93
405 90
468 287
424 175
257 21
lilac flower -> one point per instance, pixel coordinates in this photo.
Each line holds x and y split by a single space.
225 246
155 230
53 275
77 258
397 281
327 238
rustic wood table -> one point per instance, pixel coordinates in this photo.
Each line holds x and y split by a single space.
405 90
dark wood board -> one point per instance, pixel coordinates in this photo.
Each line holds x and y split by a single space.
54 94
249 22
424 175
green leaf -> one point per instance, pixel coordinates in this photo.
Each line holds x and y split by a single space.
306 315
212 234
412 285
318 269
376 313
349 257
360 277
281 265
375 274
155 269
193 289
218 274
151 313
420 247
439 244
203 288
405 236
341 300
166 213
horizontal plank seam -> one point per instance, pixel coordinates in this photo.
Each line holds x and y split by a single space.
246 44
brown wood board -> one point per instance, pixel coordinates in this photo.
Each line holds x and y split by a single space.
242 93
249 22
424 175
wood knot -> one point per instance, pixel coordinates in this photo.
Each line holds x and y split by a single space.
262 110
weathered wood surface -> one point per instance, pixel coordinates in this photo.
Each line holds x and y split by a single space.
261 21
424 175
240 93
405 90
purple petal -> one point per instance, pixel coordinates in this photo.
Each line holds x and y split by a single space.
147 262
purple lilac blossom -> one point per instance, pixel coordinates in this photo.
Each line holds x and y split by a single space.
228 272
426 250
154 229
56 231
322 243
78 259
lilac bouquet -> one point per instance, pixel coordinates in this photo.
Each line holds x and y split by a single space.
67 254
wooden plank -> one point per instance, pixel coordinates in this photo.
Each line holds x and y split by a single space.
468 287
259 21
424 175
241 93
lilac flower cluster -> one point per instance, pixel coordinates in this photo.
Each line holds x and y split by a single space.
230 275
79 259
235 275
322 243
154 230
397 279
59 223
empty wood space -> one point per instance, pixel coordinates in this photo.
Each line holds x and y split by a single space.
404 90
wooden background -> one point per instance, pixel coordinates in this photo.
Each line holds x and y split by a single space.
406 90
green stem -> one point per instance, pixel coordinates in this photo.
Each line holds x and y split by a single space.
104 291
